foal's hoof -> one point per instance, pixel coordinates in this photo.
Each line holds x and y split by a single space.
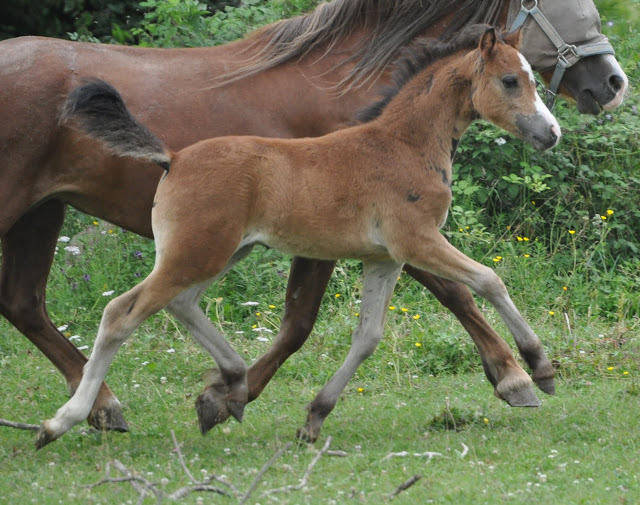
524 397
213 408
547 385
108 419
44 437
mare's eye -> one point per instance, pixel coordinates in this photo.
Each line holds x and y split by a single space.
510 82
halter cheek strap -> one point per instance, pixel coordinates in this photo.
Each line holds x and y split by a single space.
568 54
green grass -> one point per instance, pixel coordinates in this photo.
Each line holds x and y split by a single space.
581 446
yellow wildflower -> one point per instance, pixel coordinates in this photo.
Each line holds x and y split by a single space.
337 295
418 344
519 239
609 212
258 314
392 307
551 312
572 232
486 421
604 218
625 373
404 309
416 317
527 255
272 306
610 368
360 390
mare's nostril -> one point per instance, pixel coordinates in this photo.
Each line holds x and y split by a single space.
554 137
616 82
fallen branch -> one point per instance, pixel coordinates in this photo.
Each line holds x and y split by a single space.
19 426
305 478
135 481
403 454
262 471
202 485
405 485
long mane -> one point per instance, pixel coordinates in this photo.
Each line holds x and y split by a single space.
392 24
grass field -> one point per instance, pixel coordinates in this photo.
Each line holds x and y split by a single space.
581 446
577 282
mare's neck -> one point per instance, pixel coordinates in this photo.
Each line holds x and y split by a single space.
432 111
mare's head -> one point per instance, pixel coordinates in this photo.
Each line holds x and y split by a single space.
504 91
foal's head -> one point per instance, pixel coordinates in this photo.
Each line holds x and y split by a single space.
504 92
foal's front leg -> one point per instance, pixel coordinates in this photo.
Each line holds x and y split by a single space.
497 359
432 252
499 364
379 281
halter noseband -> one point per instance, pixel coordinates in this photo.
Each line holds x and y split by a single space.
568 54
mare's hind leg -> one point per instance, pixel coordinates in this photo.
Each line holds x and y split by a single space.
496 355
510 381
27 255
120 318
227 393
307 283
379 280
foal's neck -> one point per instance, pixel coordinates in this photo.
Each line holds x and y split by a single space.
432 111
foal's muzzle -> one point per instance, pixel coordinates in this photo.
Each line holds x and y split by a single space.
540 130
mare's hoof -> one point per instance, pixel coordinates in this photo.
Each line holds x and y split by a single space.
547 385
211 409
303 435
524 397
43 437
108 419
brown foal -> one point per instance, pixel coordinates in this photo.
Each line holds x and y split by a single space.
378 192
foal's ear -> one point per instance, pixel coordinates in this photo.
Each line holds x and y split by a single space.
514 38
487 42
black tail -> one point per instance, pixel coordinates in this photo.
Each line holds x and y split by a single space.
98 110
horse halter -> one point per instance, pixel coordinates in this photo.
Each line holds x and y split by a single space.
568 54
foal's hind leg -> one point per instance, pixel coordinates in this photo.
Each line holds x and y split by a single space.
27 255
379 280
227 393
498 362
120 318
307 283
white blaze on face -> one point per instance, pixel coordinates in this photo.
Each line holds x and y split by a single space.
616 69
541 108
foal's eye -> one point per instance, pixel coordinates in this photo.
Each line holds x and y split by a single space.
510 82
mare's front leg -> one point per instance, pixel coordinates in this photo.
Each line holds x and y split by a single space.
379 281
498 361
27 254
432 252
307 283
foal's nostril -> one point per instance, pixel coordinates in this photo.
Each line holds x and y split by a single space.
616 82
554 136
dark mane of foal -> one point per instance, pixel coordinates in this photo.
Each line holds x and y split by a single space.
417 57
393 25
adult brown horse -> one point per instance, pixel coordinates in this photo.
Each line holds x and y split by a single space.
378 192
286 90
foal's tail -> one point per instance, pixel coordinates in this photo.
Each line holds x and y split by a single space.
98 110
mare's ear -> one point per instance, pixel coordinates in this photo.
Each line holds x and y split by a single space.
514 38
487 42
